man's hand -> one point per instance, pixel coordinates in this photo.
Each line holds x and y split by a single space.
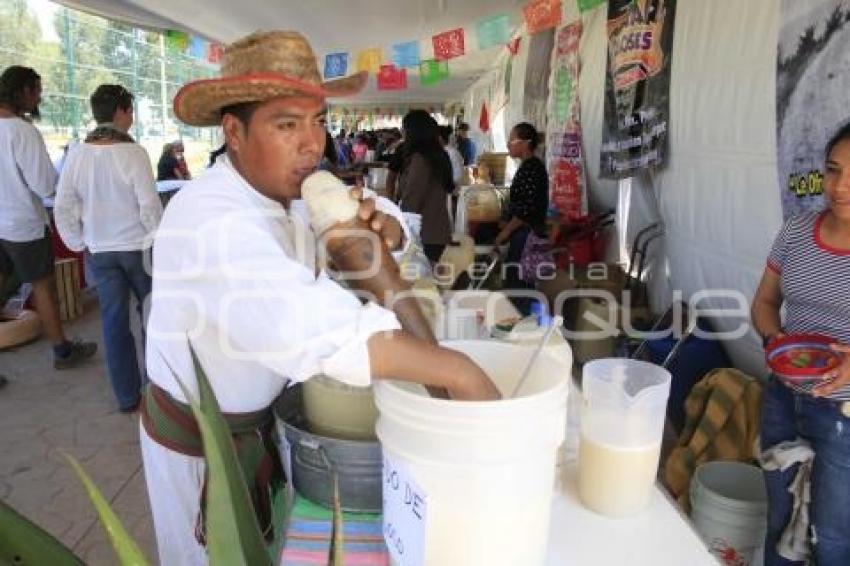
837 378
384 225
470 383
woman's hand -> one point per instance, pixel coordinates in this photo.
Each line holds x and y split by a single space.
384 225
771 338
837 378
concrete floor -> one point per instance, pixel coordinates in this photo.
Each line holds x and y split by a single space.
44 412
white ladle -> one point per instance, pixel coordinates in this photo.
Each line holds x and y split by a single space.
556 322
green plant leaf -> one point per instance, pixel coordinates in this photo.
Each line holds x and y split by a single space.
24 543
232 531
129 553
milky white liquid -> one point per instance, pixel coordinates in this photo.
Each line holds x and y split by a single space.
616 481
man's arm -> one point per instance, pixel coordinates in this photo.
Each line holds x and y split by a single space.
397 355
67 210
34 162
144 186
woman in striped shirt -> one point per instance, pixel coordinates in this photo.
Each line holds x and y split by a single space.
809 271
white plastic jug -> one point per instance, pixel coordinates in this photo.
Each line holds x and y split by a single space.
486 470
622 420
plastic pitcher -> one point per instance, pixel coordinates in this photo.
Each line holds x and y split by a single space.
622 420
485 470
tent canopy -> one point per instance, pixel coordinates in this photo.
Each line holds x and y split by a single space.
331 25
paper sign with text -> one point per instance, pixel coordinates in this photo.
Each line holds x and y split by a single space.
405 514
286 453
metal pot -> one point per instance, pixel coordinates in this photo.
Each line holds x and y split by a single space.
315 459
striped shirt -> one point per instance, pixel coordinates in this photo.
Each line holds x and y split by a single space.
815 283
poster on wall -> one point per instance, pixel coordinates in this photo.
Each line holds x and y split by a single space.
536 86
637 86
564 154
812 83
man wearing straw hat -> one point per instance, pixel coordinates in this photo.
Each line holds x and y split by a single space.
235 276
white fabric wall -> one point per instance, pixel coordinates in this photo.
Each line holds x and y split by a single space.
718 196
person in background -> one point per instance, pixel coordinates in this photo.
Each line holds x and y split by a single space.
529 201
454 155
359 148
330 163
466 146
425 180
172 164
343 148
371 147
392 139
330 158
807 270
60 162
27 176
395 161
107 203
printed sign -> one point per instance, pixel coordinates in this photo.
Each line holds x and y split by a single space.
406 54
541 15
215 52
448 45
637 86
495 30
585 5
405 514
565 157
391 78
432 72
370 60
336 65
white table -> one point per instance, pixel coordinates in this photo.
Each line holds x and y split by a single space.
658 536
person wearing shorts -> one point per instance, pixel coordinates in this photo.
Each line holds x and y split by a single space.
26 177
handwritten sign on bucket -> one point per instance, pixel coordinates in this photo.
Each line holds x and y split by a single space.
405 512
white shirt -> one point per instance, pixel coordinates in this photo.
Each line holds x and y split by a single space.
457 163
26 176
236 273
106 200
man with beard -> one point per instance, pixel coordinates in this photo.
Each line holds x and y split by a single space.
26 177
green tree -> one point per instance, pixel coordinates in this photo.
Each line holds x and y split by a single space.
81 68
19 33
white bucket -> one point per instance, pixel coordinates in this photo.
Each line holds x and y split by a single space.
487 469
729 505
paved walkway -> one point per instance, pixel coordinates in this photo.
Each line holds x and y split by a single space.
44 412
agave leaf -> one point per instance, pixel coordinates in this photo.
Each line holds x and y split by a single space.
232 530
129 553
24 543
337 539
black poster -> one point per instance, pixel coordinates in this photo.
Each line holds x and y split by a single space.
637 86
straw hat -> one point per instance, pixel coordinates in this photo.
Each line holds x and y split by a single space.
259 67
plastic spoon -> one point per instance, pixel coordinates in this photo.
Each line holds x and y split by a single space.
556 322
